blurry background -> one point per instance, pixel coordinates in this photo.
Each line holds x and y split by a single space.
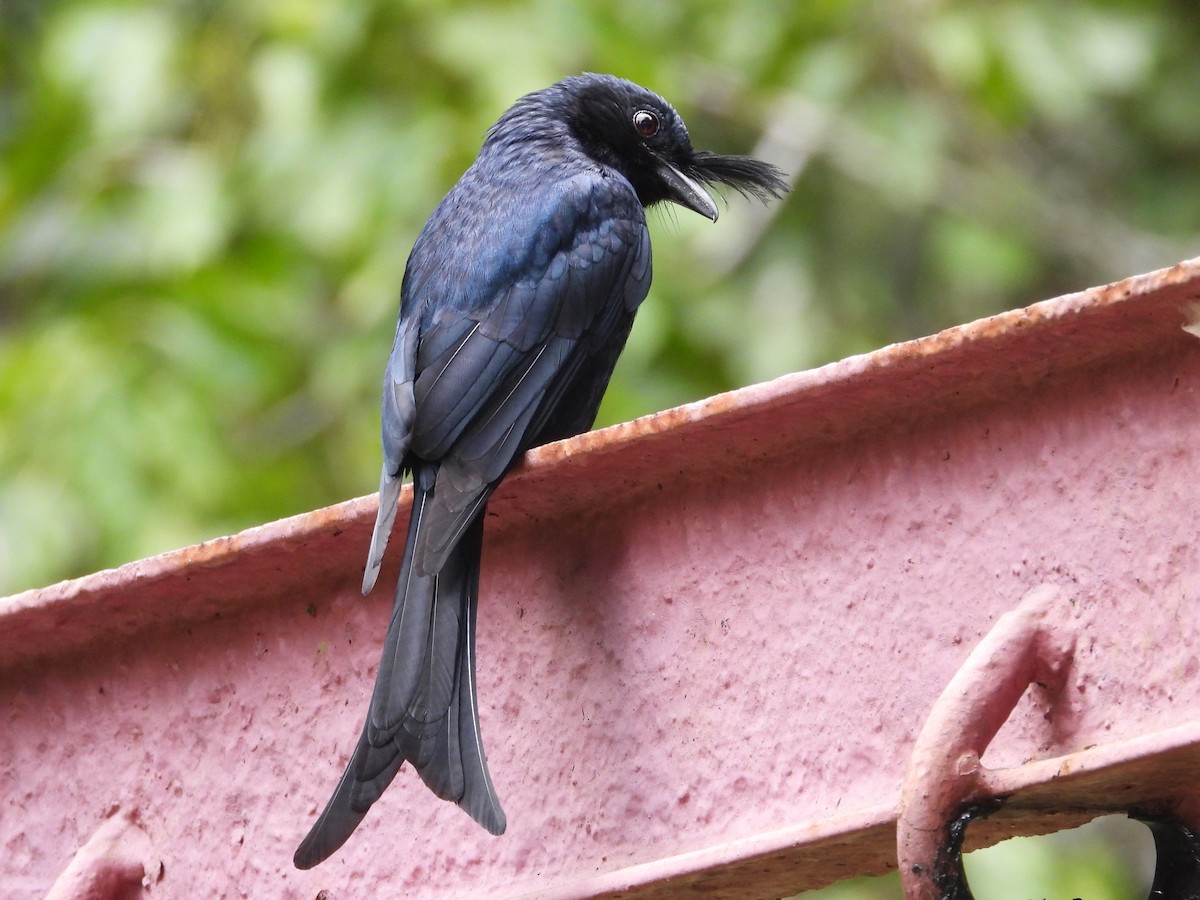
205 210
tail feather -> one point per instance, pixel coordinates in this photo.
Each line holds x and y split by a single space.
347 807
458 768
423 709
479 798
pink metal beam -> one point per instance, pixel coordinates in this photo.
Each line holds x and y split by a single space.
707 638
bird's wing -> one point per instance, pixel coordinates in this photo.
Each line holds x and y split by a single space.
482 395
497 324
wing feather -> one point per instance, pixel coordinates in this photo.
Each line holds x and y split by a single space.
483 397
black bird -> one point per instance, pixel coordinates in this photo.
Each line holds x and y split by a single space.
518 297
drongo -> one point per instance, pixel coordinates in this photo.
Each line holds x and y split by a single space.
518 297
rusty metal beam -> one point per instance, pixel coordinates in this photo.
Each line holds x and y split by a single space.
707 638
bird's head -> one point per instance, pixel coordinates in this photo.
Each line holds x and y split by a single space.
638 133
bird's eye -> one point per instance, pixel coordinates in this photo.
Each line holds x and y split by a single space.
645 123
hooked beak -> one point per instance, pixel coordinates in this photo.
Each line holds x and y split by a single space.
686 191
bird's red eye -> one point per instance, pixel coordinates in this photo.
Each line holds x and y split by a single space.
645 123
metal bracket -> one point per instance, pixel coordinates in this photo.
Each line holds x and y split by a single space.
946 786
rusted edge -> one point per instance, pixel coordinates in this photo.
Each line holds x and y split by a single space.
806 406
1045 795
1005 326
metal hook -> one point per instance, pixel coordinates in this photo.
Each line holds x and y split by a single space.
945 780
946 786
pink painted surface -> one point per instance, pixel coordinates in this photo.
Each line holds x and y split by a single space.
1030 646
706 639
116 863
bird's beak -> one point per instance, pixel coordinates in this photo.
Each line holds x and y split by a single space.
687 191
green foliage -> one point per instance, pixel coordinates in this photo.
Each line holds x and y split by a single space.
205 210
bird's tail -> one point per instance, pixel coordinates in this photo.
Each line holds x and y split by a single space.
423 708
